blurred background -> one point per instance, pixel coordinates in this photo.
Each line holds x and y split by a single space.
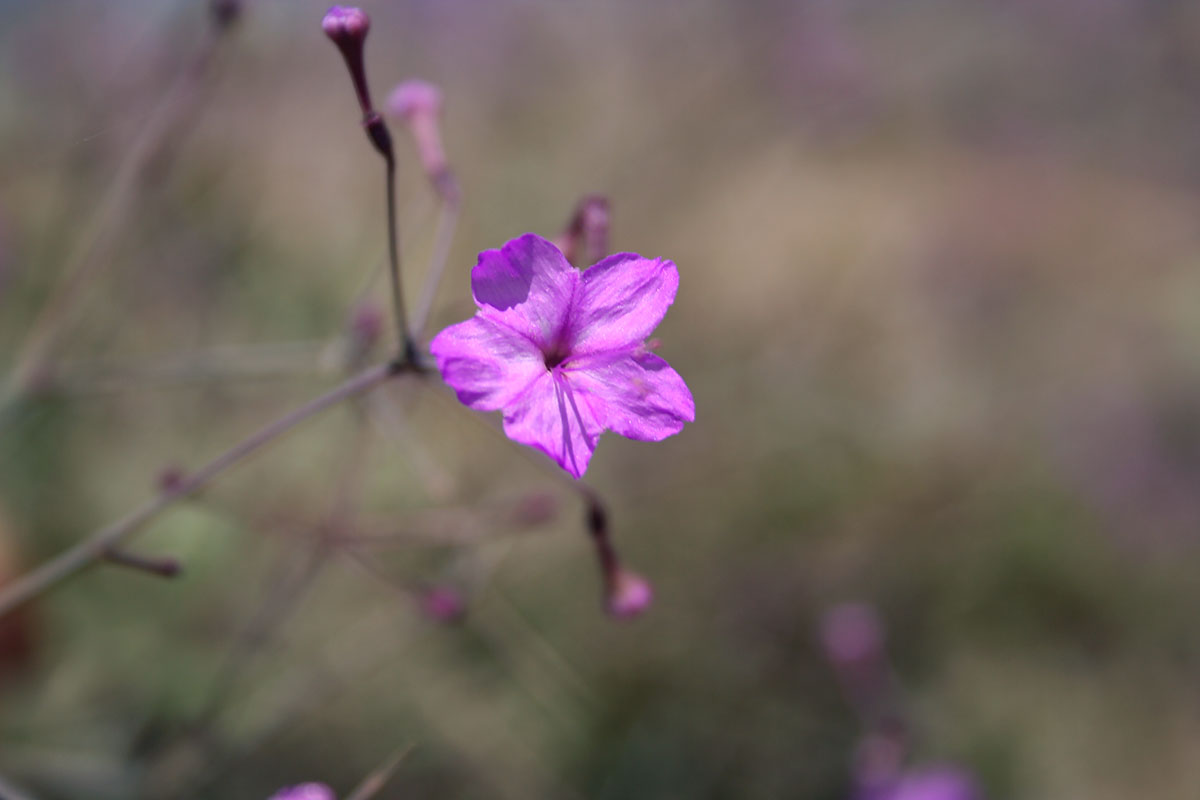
939 309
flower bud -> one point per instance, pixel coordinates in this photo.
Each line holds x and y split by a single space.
936 783
851 634
535 508
346 26
443 604
366 326
629 594
170 479
305 791
419 104
585 238
225 12
413 98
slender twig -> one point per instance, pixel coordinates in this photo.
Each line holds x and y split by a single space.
389 417
227 362
358 659
10 792
378 778
162 566
98 237
287 588
405 342
98 543
443 238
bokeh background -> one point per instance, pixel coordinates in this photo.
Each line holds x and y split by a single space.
940 312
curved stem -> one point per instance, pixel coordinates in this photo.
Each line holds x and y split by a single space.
97 545
96 242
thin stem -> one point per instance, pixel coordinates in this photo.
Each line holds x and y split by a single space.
98 543
447 222
405 342
10 792
98 238
378 778
263 361
162 566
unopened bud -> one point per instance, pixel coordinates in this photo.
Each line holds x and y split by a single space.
937 783
419 104
629 594
852 634
305 791
225 12
586 236
535 508
346 26
443 604
413 98
170 479
366 326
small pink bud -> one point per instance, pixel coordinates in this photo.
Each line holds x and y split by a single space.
415 97
170 479
347 28
305 791
226 12
852 634
366 325
629 594
346 25
443 604
535 508
419 104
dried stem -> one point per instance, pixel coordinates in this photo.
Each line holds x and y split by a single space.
374 782
162 566
10 792
97 545
407 349
276 360
443 238
99 235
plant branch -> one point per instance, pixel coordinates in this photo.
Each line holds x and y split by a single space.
98 544
444 236
378 778
162 566
99 236
405 341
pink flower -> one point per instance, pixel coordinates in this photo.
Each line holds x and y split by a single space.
305 791
561 351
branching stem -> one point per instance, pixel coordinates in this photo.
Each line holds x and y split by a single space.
99 543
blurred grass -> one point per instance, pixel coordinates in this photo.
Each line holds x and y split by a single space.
937 309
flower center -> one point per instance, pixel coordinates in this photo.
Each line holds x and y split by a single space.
555 357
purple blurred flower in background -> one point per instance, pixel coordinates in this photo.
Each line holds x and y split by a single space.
562 352
945 782
305 791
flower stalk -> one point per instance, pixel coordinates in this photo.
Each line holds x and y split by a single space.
347 28
100 544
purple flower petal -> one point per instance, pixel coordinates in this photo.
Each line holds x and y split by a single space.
644 398
560 352
560 418
937 783
528 285
488 364
620 301
305 791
